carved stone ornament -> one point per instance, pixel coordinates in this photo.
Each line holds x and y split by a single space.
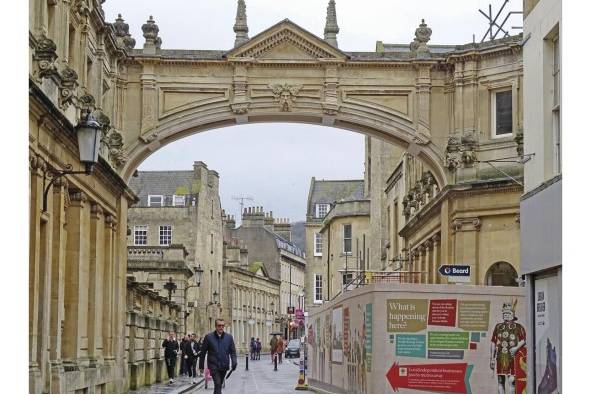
240 108
129 41
285 94
45 56
86 101
419 43
81 7
150 30
519 142
117 154
461 151
69 82
121 28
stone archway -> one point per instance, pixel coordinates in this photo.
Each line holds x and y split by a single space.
501 274
284 74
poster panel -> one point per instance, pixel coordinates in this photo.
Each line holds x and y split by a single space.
337 335
546 323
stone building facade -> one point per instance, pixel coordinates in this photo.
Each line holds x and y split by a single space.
282 260
541 203
183 208
321 197
253 298
418 224
344 232
77 254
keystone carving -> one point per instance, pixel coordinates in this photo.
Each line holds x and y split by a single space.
45 56
117 154
86 101
240 108
285 94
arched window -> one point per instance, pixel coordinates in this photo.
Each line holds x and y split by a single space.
501 274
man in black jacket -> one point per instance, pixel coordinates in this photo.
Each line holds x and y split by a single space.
191 351
219 347
171 347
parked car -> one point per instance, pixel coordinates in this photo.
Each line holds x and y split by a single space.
293 349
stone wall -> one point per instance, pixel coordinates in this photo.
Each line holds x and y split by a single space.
149 318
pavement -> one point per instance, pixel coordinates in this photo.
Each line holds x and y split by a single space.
259 379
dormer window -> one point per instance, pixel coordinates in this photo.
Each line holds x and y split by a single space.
178 201
155 200
322 210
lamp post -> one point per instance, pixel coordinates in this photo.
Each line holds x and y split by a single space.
198 276
171 287
88 131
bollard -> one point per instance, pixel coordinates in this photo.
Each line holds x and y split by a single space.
246 361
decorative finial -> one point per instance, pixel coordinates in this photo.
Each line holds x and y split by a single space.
332 28
241 27
122 33
422 36
150 30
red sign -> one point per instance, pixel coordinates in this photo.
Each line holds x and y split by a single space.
299 314
443 312
290 310
442 378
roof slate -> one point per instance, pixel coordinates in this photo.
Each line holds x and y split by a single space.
159 183
327 192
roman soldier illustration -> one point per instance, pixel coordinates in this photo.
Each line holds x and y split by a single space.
507 348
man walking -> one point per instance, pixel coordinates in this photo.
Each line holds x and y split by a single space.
219 348
171 348
280 349
183 358
273 346
191 351
253 348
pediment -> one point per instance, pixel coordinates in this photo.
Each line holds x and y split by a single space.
286 41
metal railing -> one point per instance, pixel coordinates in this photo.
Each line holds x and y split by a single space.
362 278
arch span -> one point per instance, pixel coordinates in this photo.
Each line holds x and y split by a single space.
428 152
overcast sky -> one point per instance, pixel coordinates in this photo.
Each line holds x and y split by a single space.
273 163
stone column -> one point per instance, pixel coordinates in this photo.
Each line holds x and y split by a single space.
422 276
58 261
75 335
107 315
95 290
429 261
37 166
423 90
436 263
466 248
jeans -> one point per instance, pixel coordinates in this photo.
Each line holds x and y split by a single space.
191 367
218 376
170 365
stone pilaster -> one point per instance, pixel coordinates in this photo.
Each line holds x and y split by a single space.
75 334
95 290
436 263
107 312
429 261
422 263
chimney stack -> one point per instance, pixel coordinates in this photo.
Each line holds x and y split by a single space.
283 228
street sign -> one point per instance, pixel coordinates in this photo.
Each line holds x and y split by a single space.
290 310
456 273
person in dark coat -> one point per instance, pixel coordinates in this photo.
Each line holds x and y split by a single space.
171 348
259 346
191 355
183 359
253 348
219 348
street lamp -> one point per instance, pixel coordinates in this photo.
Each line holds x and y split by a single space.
88 131
198 276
